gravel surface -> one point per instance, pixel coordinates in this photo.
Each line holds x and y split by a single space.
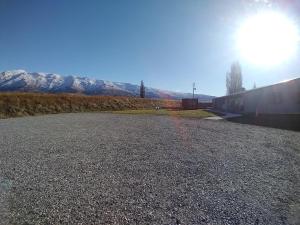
101 168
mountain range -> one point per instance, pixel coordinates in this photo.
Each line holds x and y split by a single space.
22 81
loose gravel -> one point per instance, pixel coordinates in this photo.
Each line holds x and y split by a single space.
101 168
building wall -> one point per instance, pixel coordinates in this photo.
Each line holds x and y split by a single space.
204 105
189 103
277 99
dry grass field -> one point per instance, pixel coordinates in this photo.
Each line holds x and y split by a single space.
24 104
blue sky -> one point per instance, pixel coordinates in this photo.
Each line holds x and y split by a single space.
168 43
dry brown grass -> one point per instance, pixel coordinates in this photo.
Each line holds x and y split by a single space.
23 104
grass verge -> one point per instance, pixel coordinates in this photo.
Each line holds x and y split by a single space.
198 113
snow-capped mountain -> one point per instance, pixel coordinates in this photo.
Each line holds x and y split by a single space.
20 80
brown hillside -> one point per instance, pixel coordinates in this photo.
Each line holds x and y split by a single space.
23 104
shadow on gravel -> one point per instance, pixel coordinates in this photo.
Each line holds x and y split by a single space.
281 121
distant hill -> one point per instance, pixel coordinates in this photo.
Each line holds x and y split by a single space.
20 80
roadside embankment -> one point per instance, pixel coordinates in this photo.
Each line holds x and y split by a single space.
24 104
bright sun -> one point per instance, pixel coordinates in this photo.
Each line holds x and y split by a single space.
267 38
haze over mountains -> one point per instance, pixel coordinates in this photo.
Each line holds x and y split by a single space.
20 80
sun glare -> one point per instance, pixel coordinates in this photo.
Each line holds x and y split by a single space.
267 39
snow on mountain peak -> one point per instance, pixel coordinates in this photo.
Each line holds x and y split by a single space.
18 71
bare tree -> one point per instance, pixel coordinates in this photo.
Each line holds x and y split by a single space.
142 90
234 79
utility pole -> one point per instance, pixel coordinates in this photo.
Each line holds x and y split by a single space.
194 88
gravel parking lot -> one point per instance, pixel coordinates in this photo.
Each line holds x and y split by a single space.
101 168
